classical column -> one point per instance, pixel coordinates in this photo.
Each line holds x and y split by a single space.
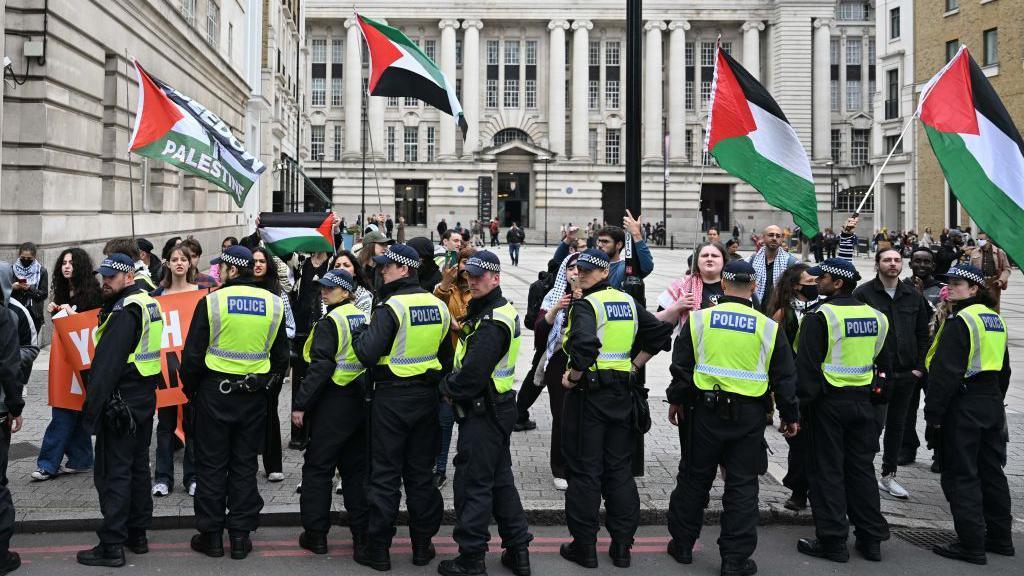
556 86
752 47
677 89
353 92
447 128
580 75
865 77
844 103
471 84
653 92
821 112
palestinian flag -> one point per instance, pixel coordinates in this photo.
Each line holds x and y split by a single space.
751 139
399 68
979 149
287 232
176 129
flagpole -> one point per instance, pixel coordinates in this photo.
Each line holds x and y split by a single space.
127 112
703 156
884 164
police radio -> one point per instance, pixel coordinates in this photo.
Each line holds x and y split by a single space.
632 284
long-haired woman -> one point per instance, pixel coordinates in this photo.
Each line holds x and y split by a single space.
364 286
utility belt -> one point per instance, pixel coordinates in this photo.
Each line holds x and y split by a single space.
975 386
382 376
594 380
849 390
725 404
481 405
250 383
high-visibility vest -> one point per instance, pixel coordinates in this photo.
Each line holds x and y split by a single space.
617 325
988 339
147 280
855 337
503 375
146 355
423 324
733 346
346 365
244 321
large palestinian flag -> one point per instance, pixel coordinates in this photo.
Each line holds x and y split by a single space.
979 149
751 139
399 68
176 129
287 232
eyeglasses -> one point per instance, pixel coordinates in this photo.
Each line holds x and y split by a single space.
604 241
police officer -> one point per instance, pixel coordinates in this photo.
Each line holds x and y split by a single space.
480 388
725 362
235 345
12 377
119 408
598 426
968 374
330 406
839 345
400 347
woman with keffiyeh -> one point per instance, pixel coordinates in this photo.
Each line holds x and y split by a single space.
30 284
698 289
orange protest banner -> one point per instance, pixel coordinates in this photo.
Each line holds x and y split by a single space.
72 350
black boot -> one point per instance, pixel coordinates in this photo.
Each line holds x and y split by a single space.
109 555
1003 548
241 545
9 564
683 553
737 567
377 556
463 565
619 554
315 542
209 543
423 553
583 554
835 552
796 502
869 549
360 551
517 560
137 542
957 552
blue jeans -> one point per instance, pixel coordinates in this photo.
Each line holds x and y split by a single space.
513 252
65 435
447 418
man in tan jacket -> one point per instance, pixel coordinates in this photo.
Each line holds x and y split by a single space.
993 263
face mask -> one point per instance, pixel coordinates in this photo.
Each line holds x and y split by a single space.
26 262
982 242
809 291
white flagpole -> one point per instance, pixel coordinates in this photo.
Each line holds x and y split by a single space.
884 164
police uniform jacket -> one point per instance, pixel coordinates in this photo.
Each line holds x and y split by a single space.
193 356
781 372
10 365
946 374
322 356
909 315
486 348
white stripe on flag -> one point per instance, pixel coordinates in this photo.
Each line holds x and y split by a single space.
278 234
777 141
1000 158
410 63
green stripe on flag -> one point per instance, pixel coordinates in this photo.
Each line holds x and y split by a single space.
311 243
404 42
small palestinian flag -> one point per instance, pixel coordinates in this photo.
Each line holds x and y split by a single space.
751 139
176 129
399 68
287 232
979 149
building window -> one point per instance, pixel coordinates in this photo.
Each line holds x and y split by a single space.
492 94
837 146
990 39
951 48
834 86
319 51
707 53
392 101
231 39
431 144
188 11
611 94
509 135
391 144
458 52
613 51
871 50
688 54
689 95
594 54
611 146
833 51
410 102
853 51
316 142
727 48
853 96
337 142
892 98
705 92
458 89
593 94
212 23
337 52
592 141
492 52
531 52
859 147
531 94
430 48
688 146
511 93
891 143
336 91
511 52
952 5
319 91
848 200
412 143
894 23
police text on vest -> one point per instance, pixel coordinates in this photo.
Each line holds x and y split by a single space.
991 322
618 311
733 321
247 305
421 315
861 327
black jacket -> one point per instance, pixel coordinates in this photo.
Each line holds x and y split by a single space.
947 255
781 370
485 346
908 313
306 306
193 356
322 362
10 363
814 346
652 335
946 374
515 236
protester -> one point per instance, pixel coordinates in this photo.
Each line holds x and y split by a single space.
228 242
493 228
171 242
154 265
700 288
429 272
847 242
374 244
442 226
732 247
515 238
307 310
950 252
363 296
994 264
611 240
204 281
30 283
770 262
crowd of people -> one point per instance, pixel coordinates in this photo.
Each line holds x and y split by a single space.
388 346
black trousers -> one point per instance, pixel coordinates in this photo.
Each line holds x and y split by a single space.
911 442
6 503
796 464
737 444
228 434
843 442
299 368
405 437
272 457
597 440
484 484
121 473
556 400
973 453
167 443
892 418
337 439
528 390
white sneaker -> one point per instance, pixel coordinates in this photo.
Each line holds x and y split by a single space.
275 476
70 470
41 475
338 488
192 489
298 488
890 485
160 489
561 484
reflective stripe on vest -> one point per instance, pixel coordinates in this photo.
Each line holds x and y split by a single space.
244 321
615 312
733 346
423 323
146 355
987 331
503 375
856 335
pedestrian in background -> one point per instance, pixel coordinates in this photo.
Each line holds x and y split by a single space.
994 264
515 238
363 296
770 261
204 281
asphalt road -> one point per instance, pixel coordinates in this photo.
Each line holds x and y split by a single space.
277 552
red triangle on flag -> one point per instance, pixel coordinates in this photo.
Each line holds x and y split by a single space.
949 105
326 228
730 112
156 115
382 51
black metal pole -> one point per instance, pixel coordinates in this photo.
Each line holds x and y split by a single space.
362 192
832 195
664 182
634 68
